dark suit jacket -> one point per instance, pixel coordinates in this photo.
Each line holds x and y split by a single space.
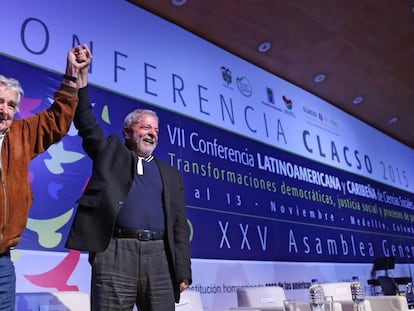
113 171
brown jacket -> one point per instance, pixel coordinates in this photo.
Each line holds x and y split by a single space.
25 140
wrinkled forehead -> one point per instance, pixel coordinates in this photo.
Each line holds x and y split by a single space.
148 119
7 94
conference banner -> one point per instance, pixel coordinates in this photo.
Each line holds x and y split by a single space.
281 186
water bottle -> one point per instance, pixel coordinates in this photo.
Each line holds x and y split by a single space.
316 296
409 294
357 292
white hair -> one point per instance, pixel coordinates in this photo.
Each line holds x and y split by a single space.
13 85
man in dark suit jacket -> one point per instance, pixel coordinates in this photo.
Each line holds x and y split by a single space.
131 217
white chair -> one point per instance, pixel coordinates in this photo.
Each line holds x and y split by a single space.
268 297
341 293
388 303
189 301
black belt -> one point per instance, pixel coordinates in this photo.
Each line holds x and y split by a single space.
6 253
142 235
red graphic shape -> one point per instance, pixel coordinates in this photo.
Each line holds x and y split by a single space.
286 100
86 183
58 276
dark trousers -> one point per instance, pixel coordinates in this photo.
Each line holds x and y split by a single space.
7 283
132 272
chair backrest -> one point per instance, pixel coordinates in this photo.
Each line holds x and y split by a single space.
388 303
189 301
340 291
388 286
266 296
384 263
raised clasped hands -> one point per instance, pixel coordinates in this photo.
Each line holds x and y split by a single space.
78 62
